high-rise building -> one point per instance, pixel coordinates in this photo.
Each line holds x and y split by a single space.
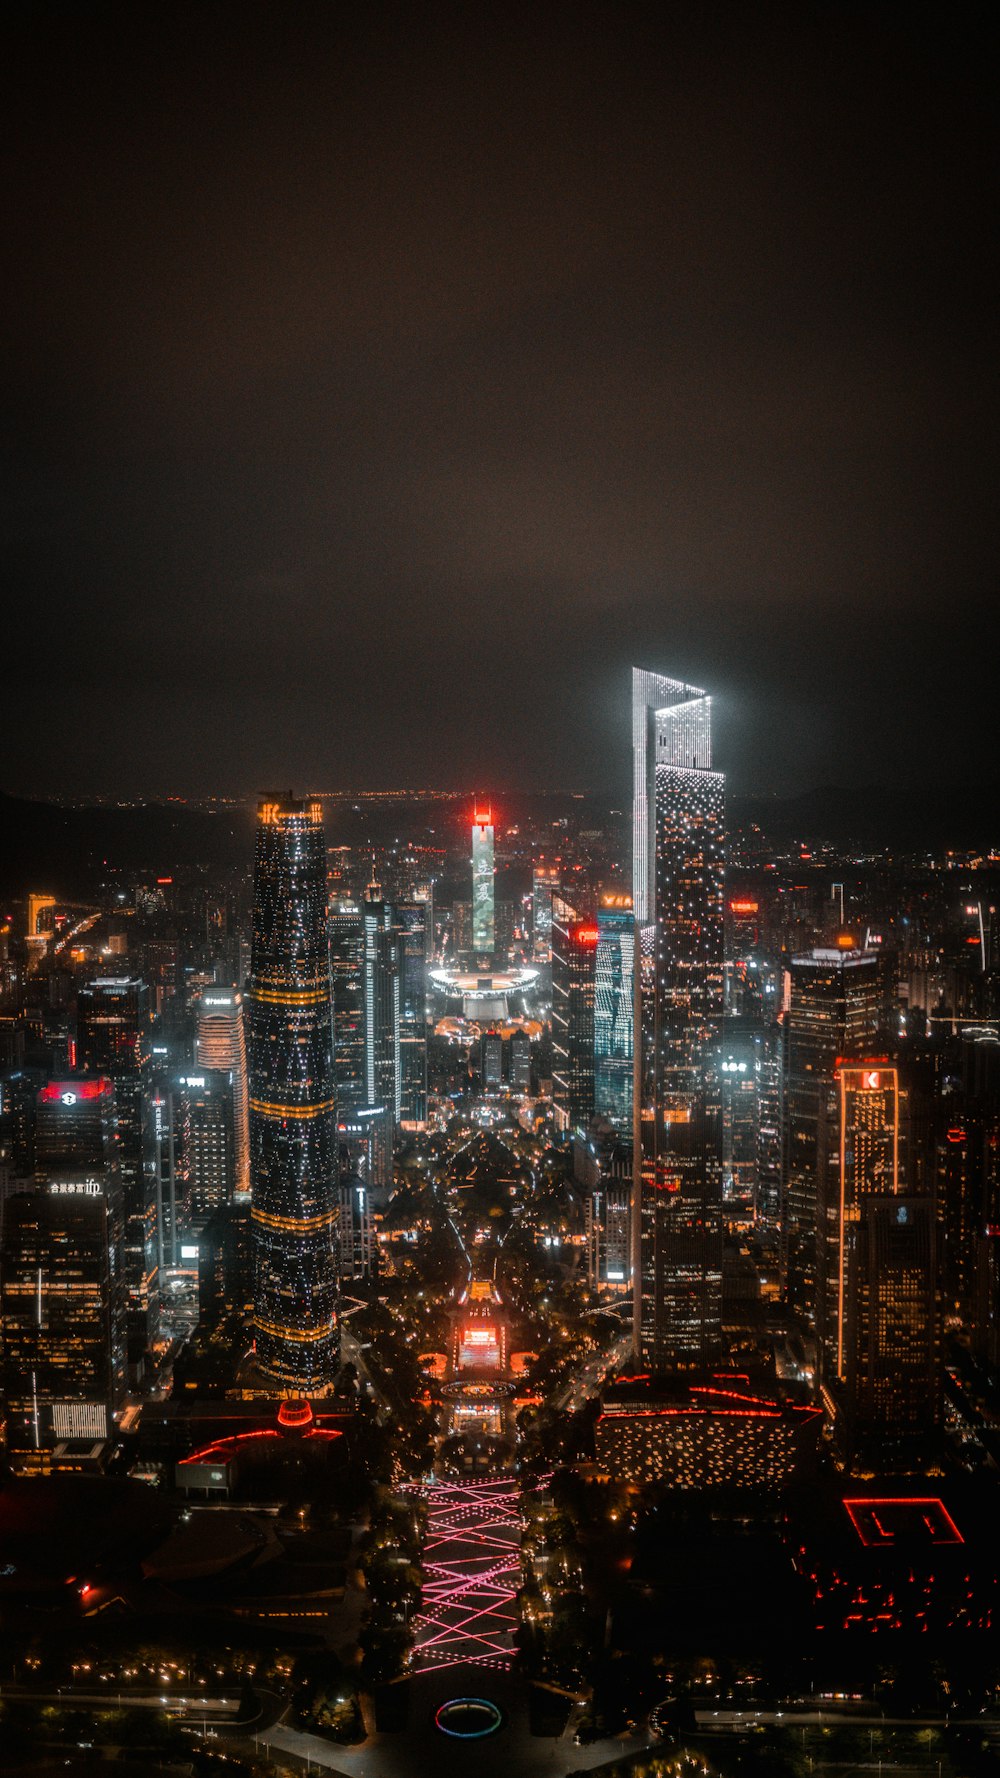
382 1048
574 946
891 1386
491 1060
608 1217
347 954
411 919
862 1115
483 922
113 1038
520 1062
293 1133
614 1013
544 881
833 1009
678 882
205 1118
62 1281
357 1244
221 1047
740 1069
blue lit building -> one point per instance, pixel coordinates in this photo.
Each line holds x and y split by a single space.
614 1017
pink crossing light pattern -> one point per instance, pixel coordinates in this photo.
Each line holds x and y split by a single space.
472 1570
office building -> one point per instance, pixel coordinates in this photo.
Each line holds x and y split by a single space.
293 1134
833 1009
347 950
113 1038
608 1219
221 1048
483 916
491 1060
740 1071
545 880
614 1013
520 1063
357 1244
205 1119
411 919
889 1405
63 1299
383 1104
574 945
678 873
859 1154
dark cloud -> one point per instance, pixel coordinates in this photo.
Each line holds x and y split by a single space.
380 382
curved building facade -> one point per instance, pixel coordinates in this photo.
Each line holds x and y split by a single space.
293 1126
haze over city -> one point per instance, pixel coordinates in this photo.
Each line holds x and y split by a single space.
381 382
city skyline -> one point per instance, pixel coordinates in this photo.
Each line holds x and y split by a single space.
499 892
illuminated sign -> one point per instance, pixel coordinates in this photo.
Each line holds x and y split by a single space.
587 936
744 907
76 1188
871 1080
67 1092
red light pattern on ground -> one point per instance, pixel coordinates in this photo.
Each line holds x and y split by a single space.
472 1570
878 1522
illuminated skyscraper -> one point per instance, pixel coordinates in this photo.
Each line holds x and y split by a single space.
382 1107
293 1126
544 880
62 1280
347 950
863 1118
574 946
614 1014
833 1008
678 863
671 724
203 1115
483 920
876 1303
113 1037
222 1046
411 919
891 1392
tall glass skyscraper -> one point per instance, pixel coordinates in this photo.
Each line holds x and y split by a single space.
483 911
614 1018
221 1044
347 951
411 917
678 887
63 1300
113 1037
293 1125
383 1065
834 1002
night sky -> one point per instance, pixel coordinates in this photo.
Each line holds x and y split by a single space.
381 382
